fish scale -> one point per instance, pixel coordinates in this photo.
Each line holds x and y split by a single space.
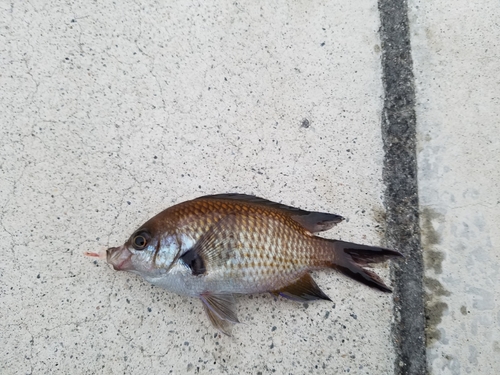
218 246
257 241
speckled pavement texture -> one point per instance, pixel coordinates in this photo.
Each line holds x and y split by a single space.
457 72
113 111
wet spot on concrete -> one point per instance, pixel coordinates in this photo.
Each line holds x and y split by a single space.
434 260
463 310
433 316
435 288
434 308
429 235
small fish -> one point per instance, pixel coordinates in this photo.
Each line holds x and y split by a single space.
219 246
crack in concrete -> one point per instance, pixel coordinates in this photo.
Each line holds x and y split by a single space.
4 210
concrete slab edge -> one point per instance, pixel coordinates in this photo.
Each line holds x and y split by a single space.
401 194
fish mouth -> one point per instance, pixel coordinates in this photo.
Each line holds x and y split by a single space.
120 258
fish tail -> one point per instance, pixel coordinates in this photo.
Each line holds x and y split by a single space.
351 258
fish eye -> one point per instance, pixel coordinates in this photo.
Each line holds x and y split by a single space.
140 240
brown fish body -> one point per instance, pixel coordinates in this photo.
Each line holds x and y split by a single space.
258 249
216 246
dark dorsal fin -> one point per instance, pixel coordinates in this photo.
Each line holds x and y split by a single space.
311 220
303 289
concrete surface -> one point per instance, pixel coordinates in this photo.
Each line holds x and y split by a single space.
457 70
112 112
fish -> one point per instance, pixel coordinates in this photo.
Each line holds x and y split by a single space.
216 247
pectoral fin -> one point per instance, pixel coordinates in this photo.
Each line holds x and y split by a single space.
214 247
220 311
194 261
303 289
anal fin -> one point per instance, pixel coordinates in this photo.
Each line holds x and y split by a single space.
303 289
220 311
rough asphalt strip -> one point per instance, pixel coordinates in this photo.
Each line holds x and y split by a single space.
401 195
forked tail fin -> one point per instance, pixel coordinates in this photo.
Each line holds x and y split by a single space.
351 258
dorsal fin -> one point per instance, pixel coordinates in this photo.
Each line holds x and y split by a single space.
311 220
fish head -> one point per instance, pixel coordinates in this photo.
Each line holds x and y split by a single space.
149 250
134 255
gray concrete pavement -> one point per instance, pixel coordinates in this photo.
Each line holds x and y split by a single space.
112 112
457 70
